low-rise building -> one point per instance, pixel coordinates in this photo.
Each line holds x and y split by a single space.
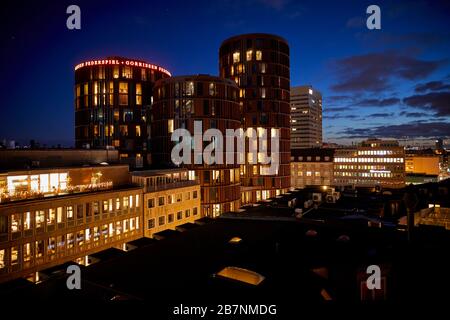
51 216
373 163
311 167
171 198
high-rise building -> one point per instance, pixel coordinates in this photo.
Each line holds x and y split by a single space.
259 64
112 101
186 101
306 117
374 163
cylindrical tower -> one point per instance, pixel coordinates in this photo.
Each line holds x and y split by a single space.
112 100
259 64
187 101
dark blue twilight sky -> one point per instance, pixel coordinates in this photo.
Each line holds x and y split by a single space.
393 82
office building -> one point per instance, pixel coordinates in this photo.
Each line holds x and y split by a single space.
259 64
373 163
171 198
50 216
306 117
112 100
311 167
180 103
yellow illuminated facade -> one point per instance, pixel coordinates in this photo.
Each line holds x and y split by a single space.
49 217
171 198
422 164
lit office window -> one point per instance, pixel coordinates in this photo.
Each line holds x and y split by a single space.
16 222
26 252
170 125
249 55
258 55
236 57
39 218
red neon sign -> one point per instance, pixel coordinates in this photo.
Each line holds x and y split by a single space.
116 62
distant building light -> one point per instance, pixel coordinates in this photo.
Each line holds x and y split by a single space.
310 91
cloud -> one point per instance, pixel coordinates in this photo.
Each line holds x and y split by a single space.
432 86
381 115
374 72
412 129
336 109
378 102
439 102
341 116
415 40
413 114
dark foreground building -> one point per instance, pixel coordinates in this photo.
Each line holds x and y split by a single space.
112 100
259 64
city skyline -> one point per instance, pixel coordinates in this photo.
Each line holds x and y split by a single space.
386 83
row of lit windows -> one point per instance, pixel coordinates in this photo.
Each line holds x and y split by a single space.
123 130
170 199
248 55
314 173
51 246
364 174
375 152
170 218
310 158
24 221
358 167
371 160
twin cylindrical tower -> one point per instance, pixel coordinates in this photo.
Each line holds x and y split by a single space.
135 107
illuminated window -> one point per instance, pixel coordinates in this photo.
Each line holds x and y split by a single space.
116 72
236 57
39 248
258 55
27 221
125 202
116 143
170 125
138 94
39 218
14 255
51 216
138 131
123 93
16 222
26 252
249 55
69 213
59 215
212 89
2 259
127 72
